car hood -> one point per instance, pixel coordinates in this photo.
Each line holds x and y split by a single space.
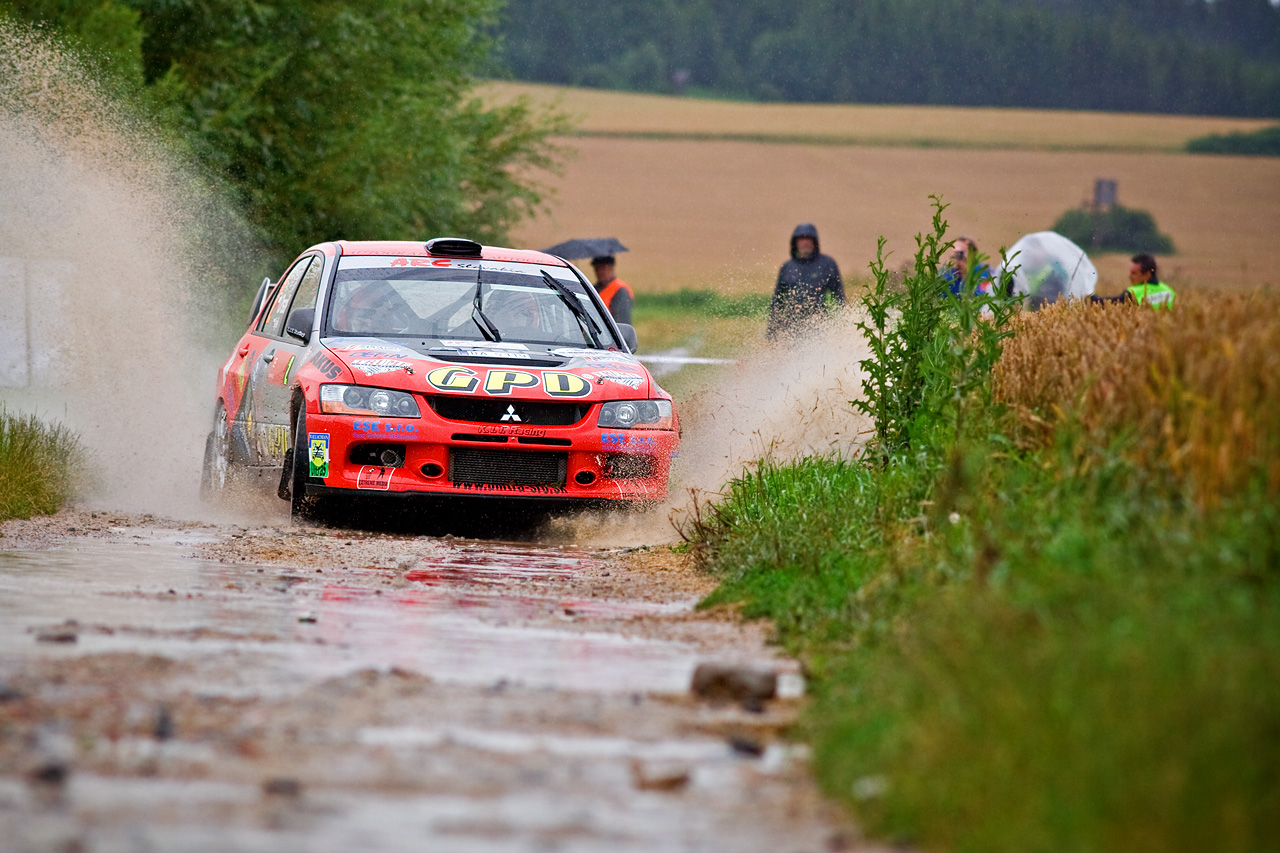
520 371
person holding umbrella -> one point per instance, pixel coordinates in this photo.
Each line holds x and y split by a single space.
616 293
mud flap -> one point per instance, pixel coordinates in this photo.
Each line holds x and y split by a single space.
284 490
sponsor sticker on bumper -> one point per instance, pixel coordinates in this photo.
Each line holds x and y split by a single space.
374 477
318 454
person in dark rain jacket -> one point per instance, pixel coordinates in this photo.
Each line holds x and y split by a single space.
799 297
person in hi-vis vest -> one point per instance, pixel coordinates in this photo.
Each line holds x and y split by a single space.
1145 286
615 292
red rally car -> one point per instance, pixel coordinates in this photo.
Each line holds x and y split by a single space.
437 369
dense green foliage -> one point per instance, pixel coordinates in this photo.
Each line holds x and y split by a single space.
38 466
1116 229
1176 56
1265 142
328 119
1019 647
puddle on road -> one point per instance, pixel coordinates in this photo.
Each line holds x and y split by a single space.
456 695
472 615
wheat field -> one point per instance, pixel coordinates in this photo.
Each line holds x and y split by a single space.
705 196
599 112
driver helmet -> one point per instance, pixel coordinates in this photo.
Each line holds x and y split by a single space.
367 310
515 312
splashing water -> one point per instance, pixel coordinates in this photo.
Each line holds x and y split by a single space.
105 308
106 299
782 402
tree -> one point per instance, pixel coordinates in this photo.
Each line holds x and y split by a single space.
1182 56
329 119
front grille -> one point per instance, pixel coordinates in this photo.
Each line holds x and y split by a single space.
489 411
505 467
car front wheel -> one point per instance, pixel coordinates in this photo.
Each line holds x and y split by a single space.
216 473
301 507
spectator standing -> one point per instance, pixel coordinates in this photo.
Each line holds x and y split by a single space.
804 282
616 293
1145 286
963 251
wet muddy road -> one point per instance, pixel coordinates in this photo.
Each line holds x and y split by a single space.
179 687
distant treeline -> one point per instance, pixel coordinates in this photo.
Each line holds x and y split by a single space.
1171 56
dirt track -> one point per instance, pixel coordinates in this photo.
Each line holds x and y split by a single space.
170 686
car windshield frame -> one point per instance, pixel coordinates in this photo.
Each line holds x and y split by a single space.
424 298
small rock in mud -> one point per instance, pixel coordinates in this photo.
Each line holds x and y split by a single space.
659 775
163 728
60 634
720 682
51 773
282 787
746 746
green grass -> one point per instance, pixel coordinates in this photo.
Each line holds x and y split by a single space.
38 462
869 141
1017 650
705 323
1078 662
705 303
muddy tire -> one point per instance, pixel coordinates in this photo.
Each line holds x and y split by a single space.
216 474
302 509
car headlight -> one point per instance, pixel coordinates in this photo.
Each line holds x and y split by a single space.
637 414
358 400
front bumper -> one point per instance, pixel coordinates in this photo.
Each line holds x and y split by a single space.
437 457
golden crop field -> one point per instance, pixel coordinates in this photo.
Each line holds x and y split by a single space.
706 193
599 112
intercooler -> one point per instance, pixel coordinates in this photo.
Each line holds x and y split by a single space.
506 467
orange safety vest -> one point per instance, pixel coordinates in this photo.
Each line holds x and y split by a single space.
611 289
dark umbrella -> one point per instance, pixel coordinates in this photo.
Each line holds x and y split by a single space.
574 250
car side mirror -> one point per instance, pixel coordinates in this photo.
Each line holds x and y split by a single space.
299 323
264 290
629 336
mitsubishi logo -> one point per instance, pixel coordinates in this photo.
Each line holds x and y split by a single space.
511 415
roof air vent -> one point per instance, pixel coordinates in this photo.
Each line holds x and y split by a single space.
454 247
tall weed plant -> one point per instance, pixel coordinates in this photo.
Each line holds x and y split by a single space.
38 466
929 351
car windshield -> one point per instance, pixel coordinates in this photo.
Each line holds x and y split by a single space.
467 300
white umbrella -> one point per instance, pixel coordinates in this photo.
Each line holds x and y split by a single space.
1047 266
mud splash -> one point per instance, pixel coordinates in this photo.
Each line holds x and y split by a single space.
781 402
105 265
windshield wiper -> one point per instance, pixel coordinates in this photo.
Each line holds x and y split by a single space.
584 319
487 328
